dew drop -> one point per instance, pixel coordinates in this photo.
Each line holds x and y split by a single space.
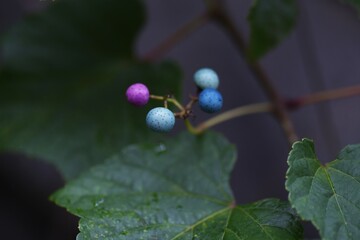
98 203
160 148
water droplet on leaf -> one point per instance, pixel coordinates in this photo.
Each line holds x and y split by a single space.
160 148
98 203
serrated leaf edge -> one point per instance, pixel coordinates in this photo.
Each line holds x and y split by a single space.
321 166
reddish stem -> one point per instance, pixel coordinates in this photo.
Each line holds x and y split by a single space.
220 15
322 96
176 37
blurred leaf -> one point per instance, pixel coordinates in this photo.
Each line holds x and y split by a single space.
329 196
62 86
354 3
176 189
76 124
270 22
73 38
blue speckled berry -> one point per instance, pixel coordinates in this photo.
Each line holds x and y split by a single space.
206 78
160 119
210 100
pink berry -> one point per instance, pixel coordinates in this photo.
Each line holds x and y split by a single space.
138 94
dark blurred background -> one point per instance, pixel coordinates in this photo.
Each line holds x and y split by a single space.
322 53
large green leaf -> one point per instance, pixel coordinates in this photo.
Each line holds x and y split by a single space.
176 189
76 124
328 195
63 82
270 22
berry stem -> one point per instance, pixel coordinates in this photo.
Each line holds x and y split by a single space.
176 37
191 103
168 99
191 128
220 15
176 103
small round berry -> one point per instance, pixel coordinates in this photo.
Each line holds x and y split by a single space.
210 100
138 94
206 78
160 119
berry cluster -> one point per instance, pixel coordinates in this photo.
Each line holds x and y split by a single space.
161 119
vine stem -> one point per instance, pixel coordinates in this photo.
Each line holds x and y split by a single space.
220 16
191 128
291 105
176 37
231 114
329 95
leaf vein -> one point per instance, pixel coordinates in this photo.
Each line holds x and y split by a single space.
337 201
234 233
344 173
255 221
200 222
227 223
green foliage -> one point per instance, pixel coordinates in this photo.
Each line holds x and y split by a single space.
63 83
355 3
177 189
270 22
328 195
73 39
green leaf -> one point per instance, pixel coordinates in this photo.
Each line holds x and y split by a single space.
354 3
77 124
63 83
73 38
270 22
177 189
329 196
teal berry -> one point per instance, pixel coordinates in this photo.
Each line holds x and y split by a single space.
206 78
210 100
160 119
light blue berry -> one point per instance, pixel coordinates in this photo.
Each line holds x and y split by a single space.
210 100
206 78
160 119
